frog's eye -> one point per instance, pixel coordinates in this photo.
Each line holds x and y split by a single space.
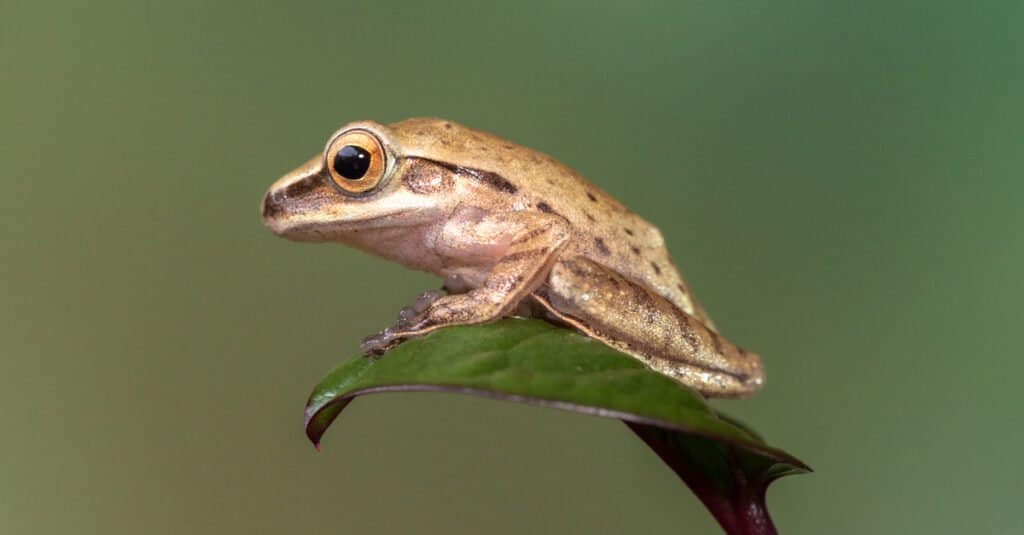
355 160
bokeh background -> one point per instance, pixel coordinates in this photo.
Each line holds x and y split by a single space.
841 182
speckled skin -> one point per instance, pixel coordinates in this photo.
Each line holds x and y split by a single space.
511 230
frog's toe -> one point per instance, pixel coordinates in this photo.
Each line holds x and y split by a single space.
377 344
411 321
406 315
424 301
412 314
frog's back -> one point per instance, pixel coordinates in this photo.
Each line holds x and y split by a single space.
605 231
612 235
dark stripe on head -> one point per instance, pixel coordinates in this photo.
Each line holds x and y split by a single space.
489 178
302 186
602 247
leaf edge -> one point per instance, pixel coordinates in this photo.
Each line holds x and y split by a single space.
324 414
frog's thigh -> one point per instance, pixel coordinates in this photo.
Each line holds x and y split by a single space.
625 315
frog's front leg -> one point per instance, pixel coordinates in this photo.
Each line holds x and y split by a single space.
516 249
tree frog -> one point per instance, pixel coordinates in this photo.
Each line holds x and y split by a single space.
511 231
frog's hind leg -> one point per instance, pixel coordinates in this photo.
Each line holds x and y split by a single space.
628 317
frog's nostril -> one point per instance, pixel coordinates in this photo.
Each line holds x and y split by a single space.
272 204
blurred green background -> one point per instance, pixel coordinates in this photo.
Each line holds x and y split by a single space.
840 181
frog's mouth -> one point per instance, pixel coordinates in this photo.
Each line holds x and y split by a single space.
322 215
315 229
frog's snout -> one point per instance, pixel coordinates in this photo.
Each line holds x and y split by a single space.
273 206
283 216
291 196
275 211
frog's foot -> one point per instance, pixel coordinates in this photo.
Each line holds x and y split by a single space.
409 318
431 312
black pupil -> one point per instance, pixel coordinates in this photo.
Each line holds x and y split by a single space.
352 162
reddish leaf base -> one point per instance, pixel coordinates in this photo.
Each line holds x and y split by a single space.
736 502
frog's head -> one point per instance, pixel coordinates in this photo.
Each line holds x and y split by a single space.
359 184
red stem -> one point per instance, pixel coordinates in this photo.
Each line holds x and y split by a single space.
739 507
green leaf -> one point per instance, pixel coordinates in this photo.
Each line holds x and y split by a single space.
728 466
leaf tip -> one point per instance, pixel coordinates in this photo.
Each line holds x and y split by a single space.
314 436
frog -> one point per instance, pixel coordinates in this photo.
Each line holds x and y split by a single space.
512 232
